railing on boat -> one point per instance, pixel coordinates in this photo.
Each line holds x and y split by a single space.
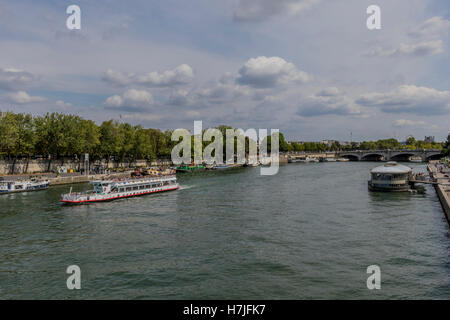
150 179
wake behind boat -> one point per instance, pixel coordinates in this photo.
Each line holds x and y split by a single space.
23 185
105 190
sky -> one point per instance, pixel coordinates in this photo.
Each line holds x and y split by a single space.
310 68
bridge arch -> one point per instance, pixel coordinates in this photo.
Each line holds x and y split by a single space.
403 156
436 156
372 157
351 157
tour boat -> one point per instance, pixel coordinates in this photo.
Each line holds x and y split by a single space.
305 160
343 160
23 185
105 190
416 159
297 160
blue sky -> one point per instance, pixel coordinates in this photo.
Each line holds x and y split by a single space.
310 68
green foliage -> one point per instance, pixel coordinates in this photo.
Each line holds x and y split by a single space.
61 135
16 134
446 146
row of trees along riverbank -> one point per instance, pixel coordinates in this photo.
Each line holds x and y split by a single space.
57 135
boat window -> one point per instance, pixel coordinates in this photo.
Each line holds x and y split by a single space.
128 188
135 188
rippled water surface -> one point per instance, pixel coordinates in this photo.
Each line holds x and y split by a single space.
308 232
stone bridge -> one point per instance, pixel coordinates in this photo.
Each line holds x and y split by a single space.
390 155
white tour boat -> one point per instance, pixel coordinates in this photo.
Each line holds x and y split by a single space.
105 190
23 185
304 160
415 159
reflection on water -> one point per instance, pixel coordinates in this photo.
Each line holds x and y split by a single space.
308 232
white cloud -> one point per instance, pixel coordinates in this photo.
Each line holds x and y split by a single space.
131 100
182 74
257 10
408 123
62 104
222 93
21 97
117 78
328 101
10 78
426 48
179 98
268 72
427 40
409 99
329 92
433 27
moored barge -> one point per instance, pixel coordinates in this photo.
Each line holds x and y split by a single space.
23 185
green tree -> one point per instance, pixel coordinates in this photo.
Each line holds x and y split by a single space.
446 147
127 133
411 141
111 139
143 146
16 134
89 134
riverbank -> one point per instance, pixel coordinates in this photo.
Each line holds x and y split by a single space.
43 166
70 178
441 174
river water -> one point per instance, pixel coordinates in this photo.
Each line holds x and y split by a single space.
309 232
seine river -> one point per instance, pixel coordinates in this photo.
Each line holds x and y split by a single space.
309 232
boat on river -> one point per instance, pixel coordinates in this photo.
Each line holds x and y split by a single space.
221 167
190 168
415 159
304 160
106 190
23 185
390 177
